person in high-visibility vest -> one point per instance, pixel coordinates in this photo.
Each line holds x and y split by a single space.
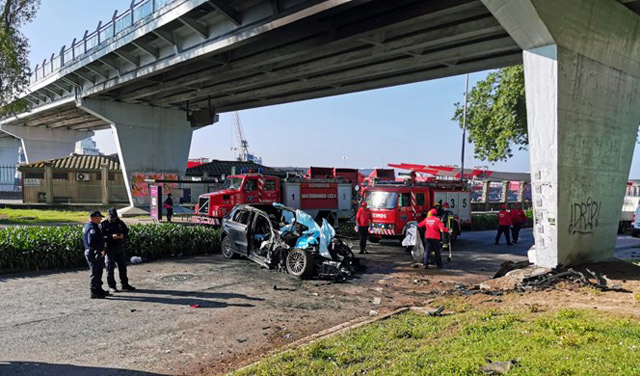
433 226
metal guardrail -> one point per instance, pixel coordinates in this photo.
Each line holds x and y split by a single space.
10 183
138 11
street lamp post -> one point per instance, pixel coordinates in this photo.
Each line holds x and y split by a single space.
464 126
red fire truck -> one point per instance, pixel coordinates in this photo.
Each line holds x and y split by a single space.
321 198
393 205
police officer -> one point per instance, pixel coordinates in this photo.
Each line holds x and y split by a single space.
94 253
115 233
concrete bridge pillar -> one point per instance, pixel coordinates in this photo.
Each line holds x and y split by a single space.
9 147
149 140
582 75
40 144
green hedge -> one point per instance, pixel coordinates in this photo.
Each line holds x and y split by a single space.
42 248
489 221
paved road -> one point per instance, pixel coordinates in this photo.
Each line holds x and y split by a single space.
49 327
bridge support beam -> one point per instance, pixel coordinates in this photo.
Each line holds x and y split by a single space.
148 139
40 144
582 75
9 148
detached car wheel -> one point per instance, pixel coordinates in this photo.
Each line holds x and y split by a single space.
226 248
299 263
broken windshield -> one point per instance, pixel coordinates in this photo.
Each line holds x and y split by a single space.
381 200
232 184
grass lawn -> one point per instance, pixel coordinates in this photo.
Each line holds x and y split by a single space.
567 342
34 216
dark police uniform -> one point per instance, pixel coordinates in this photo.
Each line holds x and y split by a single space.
115 251
93 245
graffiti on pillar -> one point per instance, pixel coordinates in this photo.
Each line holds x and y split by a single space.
584 216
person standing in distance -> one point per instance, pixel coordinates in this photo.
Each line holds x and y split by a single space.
433 226
518 218
504 224
363 220
115 233
94 252
168 205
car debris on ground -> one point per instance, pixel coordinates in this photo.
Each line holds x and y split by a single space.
281 238
523 276
498 368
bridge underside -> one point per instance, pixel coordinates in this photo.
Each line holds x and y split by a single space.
359 46
356 46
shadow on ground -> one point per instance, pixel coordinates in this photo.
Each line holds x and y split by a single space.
46 369
615 269
174 297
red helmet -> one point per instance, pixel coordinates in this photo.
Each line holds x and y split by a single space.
504 207
364 204
433 212
445 205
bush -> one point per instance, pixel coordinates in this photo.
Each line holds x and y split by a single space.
484 221
489 221
41 248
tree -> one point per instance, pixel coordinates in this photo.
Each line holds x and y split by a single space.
14 51
496 114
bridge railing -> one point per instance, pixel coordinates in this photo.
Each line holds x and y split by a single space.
138 11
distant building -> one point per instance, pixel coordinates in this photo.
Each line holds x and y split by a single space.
219 169
193 162
87 147
254 159
74 179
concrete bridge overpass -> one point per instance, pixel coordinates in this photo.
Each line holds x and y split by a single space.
166 67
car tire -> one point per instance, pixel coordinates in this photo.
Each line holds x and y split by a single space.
225 246
299 263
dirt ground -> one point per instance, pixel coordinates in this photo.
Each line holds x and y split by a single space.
207 315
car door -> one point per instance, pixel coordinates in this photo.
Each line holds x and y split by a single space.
237 228
260 230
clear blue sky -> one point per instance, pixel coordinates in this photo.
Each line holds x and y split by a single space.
410 123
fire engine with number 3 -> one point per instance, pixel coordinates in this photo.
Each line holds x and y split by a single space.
394 204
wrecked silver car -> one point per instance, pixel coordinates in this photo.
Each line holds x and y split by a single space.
286 239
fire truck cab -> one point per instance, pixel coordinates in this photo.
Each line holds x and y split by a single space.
238 189
393 205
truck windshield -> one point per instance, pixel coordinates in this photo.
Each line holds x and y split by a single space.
232 183
382 200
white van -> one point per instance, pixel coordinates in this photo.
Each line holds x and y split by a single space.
635 222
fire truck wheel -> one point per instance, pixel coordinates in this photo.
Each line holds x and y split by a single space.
299 263
226 248
374 239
